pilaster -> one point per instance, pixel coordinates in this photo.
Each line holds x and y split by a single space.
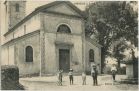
42 47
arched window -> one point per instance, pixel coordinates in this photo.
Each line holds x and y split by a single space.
91 55
17 7
63 29
29 54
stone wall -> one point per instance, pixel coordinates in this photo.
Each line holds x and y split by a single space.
97 56
14 16
20 61
15 53
33 24
129 70
74 39
7 54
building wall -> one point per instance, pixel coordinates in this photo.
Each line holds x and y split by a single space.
74 39
14 54
11 54
7 54
28 67
13 16
3 19
63 8
129 70
52 22
97 56
4 55
33 24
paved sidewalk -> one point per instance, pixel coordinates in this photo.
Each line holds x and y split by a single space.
50 84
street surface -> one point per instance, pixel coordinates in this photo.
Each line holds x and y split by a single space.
49 83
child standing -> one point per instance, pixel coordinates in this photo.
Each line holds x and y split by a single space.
59 75
71 76
84 78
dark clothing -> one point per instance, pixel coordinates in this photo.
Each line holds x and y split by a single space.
94 75
95 80
113 74
71 79
71 76
60 78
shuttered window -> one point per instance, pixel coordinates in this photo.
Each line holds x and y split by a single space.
29 54
17 7
91 55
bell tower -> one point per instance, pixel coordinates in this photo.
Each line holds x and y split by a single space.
15 12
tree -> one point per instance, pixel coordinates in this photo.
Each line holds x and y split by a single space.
113 21
118 52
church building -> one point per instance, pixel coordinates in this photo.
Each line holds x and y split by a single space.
50 38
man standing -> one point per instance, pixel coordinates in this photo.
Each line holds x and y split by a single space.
71 76
94 74
113 71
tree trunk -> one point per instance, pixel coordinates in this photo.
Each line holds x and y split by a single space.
102 60
118 63
118 67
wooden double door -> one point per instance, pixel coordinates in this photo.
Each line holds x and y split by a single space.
64 59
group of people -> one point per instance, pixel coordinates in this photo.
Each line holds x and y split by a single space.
94 74
59 75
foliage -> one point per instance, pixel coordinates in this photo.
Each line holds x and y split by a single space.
113 20
10 78
118 52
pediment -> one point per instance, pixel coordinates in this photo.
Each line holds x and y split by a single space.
64 9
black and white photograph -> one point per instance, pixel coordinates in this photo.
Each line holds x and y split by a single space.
50 45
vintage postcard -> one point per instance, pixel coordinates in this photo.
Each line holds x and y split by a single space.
69 45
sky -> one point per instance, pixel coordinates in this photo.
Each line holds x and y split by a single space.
31 5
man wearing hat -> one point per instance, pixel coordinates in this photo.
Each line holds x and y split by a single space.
113 71
94 74
71 76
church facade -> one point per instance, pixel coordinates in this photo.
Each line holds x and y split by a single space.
50 38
